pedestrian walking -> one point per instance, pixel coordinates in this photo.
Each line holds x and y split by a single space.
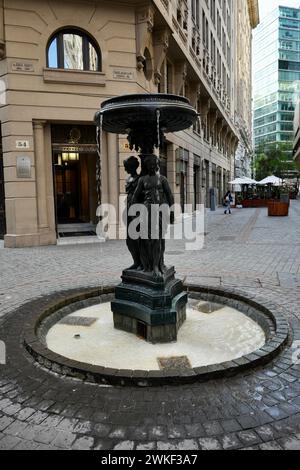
227 202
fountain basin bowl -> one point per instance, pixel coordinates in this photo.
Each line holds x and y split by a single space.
125 113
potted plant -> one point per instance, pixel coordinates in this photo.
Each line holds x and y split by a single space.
279 206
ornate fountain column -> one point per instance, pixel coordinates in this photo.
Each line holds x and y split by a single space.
150 302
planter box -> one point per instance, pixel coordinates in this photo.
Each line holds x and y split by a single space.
278 209
247 203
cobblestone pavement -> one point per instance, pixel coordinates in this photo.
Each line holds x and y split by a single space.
259 409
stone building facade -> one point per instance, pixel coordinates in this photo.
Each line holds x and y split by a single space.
247 18
60 60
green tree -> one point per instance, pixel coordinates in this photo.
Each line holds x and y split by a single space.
275 159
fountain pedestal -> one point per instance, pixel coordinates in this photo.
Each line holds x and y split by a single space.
153 308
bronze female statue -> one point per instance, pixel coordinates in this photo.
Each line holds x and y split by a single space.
131 165
153 191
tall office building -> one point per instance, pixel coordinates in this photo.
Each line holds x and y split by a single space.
276 52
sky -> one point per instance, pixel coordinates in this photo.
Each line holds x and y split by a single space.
265 6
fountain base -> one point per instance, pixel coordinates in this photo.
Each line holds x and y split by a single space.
150 307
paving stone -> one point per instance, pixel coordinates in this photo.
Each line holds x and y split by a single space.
9 442
68 424
104 445
249 438
63 440
247 422
26 445
125 445
176 432
83 427
270 446
188 444
118 433
83 443
212 428
52 421
157 432
231 442
5 421
195 430
266 433
12 409
276 412
25 413
146 446
209 443
230 425
167 445
101 430
291 443
15 428
38 417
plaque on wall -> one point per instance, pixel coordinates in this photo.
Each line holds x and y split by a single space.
23 167
22 67
123 75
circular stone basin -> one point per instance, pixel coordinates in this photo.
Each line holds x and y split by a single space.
212 334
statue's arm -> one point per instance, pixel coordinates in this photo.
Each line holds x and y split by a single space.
168 193
169 197
138 192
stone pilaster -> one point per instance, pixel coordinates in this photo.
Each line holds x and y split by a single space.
40 164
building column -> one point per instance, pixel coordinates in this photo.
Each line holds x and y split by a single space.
212 120
204 110
208 182
222 192
39 145
113 181
104 169
172 175
2 30
190 180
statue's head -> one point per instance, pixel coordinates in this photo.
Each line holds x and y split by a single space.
131 164
151 164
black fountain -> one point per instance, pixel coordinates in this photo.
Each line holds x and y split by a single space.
223 331
150 302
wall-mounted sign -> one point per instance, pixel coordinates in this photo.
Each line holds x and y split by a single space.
22 144
22 67
123 75
84 148
23 167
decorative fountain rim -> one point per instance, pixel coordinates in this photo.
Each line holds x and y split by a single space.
262 312
123 113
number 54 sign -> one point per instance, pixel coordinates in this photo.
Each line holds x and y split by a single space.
22 144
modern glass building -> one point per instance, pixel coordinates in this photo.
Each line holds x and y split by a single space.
276 65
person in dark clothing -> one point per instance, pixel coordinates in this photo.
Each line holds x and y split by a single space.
227 202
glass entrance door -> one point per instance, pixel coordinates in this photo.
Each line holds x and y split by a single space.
75 189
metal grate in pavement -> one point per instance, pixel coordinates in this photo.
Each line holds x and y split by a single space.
181 362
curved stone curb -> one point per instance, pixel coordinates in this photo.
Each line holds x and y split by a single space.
277 337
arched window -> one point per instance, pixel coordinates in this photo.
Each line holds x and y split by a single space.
73 49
